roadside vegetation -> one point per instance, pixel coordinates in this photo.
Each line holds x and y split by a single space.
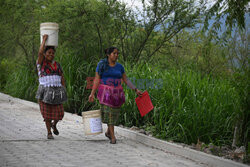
197 77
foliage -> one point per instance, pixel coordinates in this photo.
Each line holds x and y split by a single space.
76 70
187 106
4 73
22 83
196 51
161 21
238 51
197 90
18 30
233 10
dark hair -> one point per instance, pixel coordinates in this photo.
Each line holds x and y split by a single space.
109 50
104 64
49 47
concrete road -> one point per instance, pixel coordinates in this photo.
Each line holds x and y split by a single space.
23 142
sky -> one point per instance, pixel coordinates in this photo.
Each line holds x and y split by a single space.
133 3
138 4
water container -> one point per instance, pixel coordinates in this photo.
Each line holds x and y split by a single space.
92 122
144 104
51 29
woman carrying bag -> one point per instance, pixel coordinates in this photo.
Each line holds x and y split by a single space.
109 74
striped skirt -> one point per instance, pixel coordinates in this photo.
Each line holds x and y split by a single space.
110 115
51 111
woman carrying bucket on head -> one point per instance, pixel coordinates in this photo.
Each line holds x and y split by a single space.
51 92
109 74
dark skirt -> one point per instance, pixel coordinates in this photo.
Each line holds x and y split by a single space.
51 95
110 115
51 111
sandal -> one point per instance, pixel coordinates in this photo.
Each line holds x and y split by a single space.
113 141
50 136
108 136
55 131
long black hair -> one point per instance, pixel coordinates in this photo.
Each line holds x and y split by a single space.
104 63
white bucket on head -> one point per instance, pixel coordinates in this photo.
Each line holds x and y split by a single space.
92 122
51 29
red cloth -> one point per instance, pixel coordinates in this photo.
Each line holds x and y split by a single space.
144 103
51 111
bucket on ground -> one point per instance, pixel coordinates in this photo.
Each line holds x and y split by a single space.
51 29
144 104
92 122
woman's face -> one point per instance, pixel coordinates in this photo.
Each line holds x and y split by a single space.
114 55
50 54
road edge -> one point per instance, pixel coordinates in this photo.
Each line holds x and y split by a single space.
165 146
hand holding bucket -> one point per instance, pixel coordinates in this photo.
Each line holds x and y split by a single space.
51 29
45 37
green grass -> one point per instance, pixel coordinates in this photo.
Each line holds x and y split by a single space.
22 83
186 107
76 70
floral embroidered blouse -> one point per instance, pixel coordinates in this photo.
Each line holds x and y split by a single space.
50 74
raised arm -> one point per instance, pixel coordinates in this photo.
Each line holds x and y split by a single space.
130 84
95 86
41 50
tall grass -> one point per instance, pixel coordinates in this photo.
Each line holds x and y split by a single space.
187 106
76 70
22 83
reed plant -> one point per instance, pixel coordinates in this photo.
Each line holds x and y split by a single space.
187 105
76 71
22 82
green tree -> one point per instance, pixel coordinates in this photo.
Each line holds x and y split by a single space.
19 33
159 22
233 10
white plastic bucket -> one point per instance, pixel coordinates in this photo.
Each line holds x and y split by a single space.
51 29
92 122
